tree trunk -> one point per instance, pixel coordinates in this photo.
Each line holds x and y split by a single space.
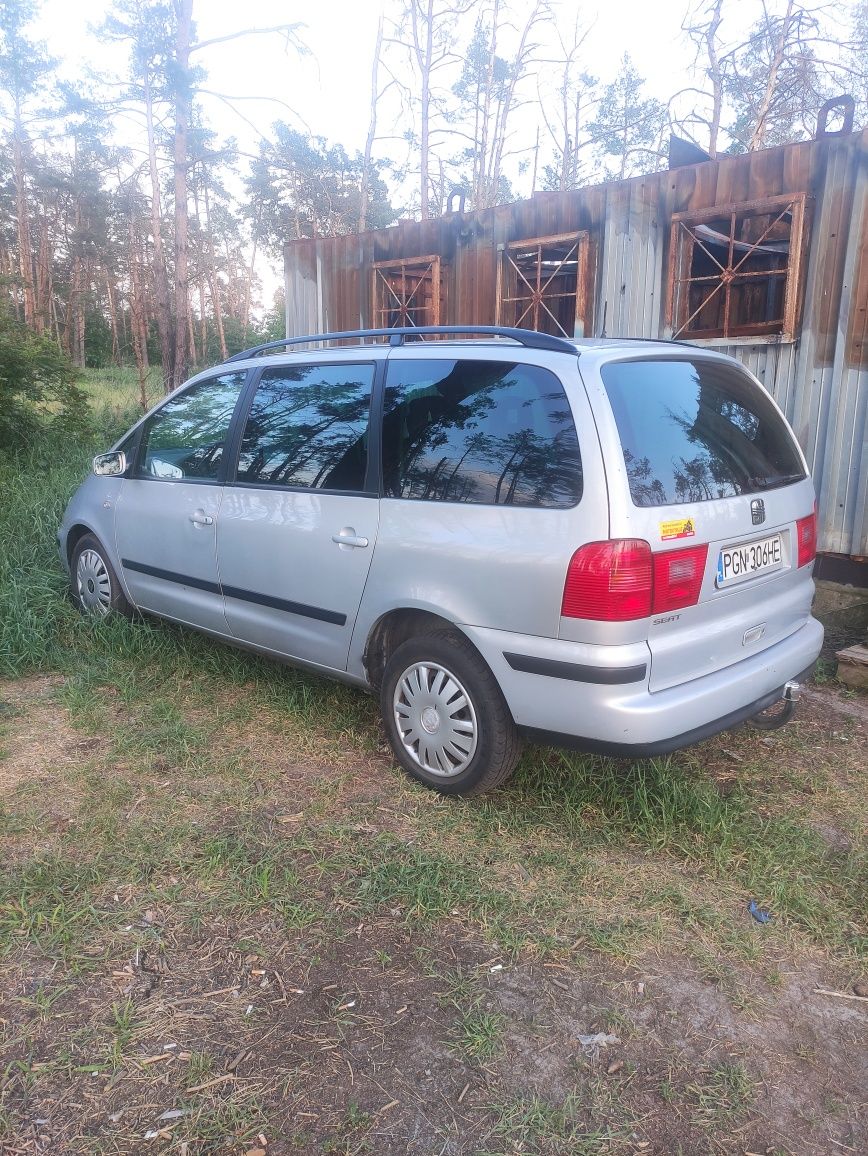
364 191
248 288
424 58
203 318
213 281
716 78
42 299
25 253
162 304
759 131
184 10
192 336
494 137
480 193
113 317
75 308
137 316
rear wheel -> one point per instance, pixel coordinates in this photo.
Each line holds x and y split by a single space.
94 584
446 717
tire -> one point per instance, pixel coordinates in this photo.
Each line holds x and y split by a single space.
463 751
93 583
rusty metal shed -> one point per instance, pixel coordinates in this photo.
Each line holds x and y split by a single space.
763 255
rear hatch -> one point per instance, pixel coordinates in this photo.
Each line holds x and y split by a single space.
714 481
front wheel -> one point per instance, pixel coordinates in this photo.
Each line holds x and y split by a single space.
94 584
445 716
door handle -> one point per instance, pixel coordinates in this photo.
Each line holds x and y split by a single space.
348 537
200 518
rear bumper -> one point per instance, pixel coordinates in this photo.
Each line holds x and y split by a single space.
649 750
624 718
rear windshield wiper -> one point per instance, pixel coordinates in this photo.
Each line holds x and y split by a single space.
773 480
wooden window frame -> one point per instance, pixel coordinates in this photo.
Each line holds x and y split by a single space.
682 242
507 267
415 271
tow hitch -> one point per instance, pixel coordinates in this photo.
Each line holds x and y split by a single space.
780 712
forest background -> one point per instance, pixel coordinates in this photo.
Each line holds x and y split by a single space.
143 210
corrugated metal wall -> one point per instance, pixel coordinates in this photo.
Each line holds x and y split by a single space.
820 380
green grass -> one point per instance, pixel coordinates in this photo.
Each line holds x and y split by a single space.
723 1095
477 1035
532 1124
115 391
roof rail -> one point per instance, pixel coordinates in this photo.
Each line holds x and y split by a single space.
527 337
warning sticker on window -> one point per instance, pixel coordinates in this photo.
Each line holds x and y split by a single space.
677 528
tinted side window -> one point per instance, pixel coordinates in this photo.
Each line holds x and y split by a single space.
487 432
308 428
695 431
186 437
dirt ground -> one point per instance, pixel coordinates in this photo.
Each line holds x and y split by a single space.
227 1029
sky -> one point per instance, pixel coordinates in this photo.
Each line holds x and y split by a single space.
328 91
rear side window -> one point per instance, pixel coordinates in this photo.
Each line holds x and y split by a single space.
693 431
483 432
308 428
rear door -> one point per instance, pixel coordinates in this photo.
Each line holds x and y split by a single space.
491 478
299 519
167 510
711 476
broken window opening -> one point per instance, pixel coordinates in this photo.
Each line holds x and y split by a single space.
541 284
407 293
734 270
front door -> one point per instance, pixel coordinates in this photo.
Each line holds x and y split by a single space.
298 525
167 512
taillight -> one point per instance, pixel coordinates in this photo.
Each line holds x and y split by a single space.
620 580
609 581
678 578
806 538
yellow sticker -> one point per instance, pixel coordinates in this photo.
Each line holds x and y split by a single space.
677 528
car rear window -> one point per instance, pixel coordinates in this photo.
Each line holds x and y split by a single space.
694 431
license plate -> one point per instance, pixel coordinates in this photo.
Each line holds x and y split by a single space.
737 563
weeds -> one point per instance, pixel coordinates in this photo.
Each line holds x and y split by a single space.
724 1095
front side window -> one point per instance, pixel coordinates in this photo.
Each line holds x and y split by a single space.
186 438
485 432
308 428
735 270
693 431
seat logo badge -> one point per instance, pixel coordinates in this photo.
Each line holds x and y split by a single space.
757 511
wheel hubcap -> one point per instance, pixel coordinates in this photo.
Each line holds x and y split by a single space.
435 719
93 583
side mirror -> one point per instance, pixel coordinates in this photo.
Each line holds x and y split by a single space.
110 465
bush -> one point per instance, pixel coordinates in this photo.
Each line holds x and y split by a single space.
38 390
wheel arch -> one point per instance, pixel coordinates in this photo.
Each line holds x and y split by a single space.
74 535
394 628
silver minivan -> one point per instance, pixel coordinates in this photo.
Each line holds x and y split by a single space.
600 544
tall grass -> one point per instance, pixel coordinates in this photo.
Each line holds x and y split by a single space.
37 624
115 391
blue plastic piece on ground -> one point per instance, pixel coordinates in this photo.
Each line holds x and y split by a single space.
759 913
